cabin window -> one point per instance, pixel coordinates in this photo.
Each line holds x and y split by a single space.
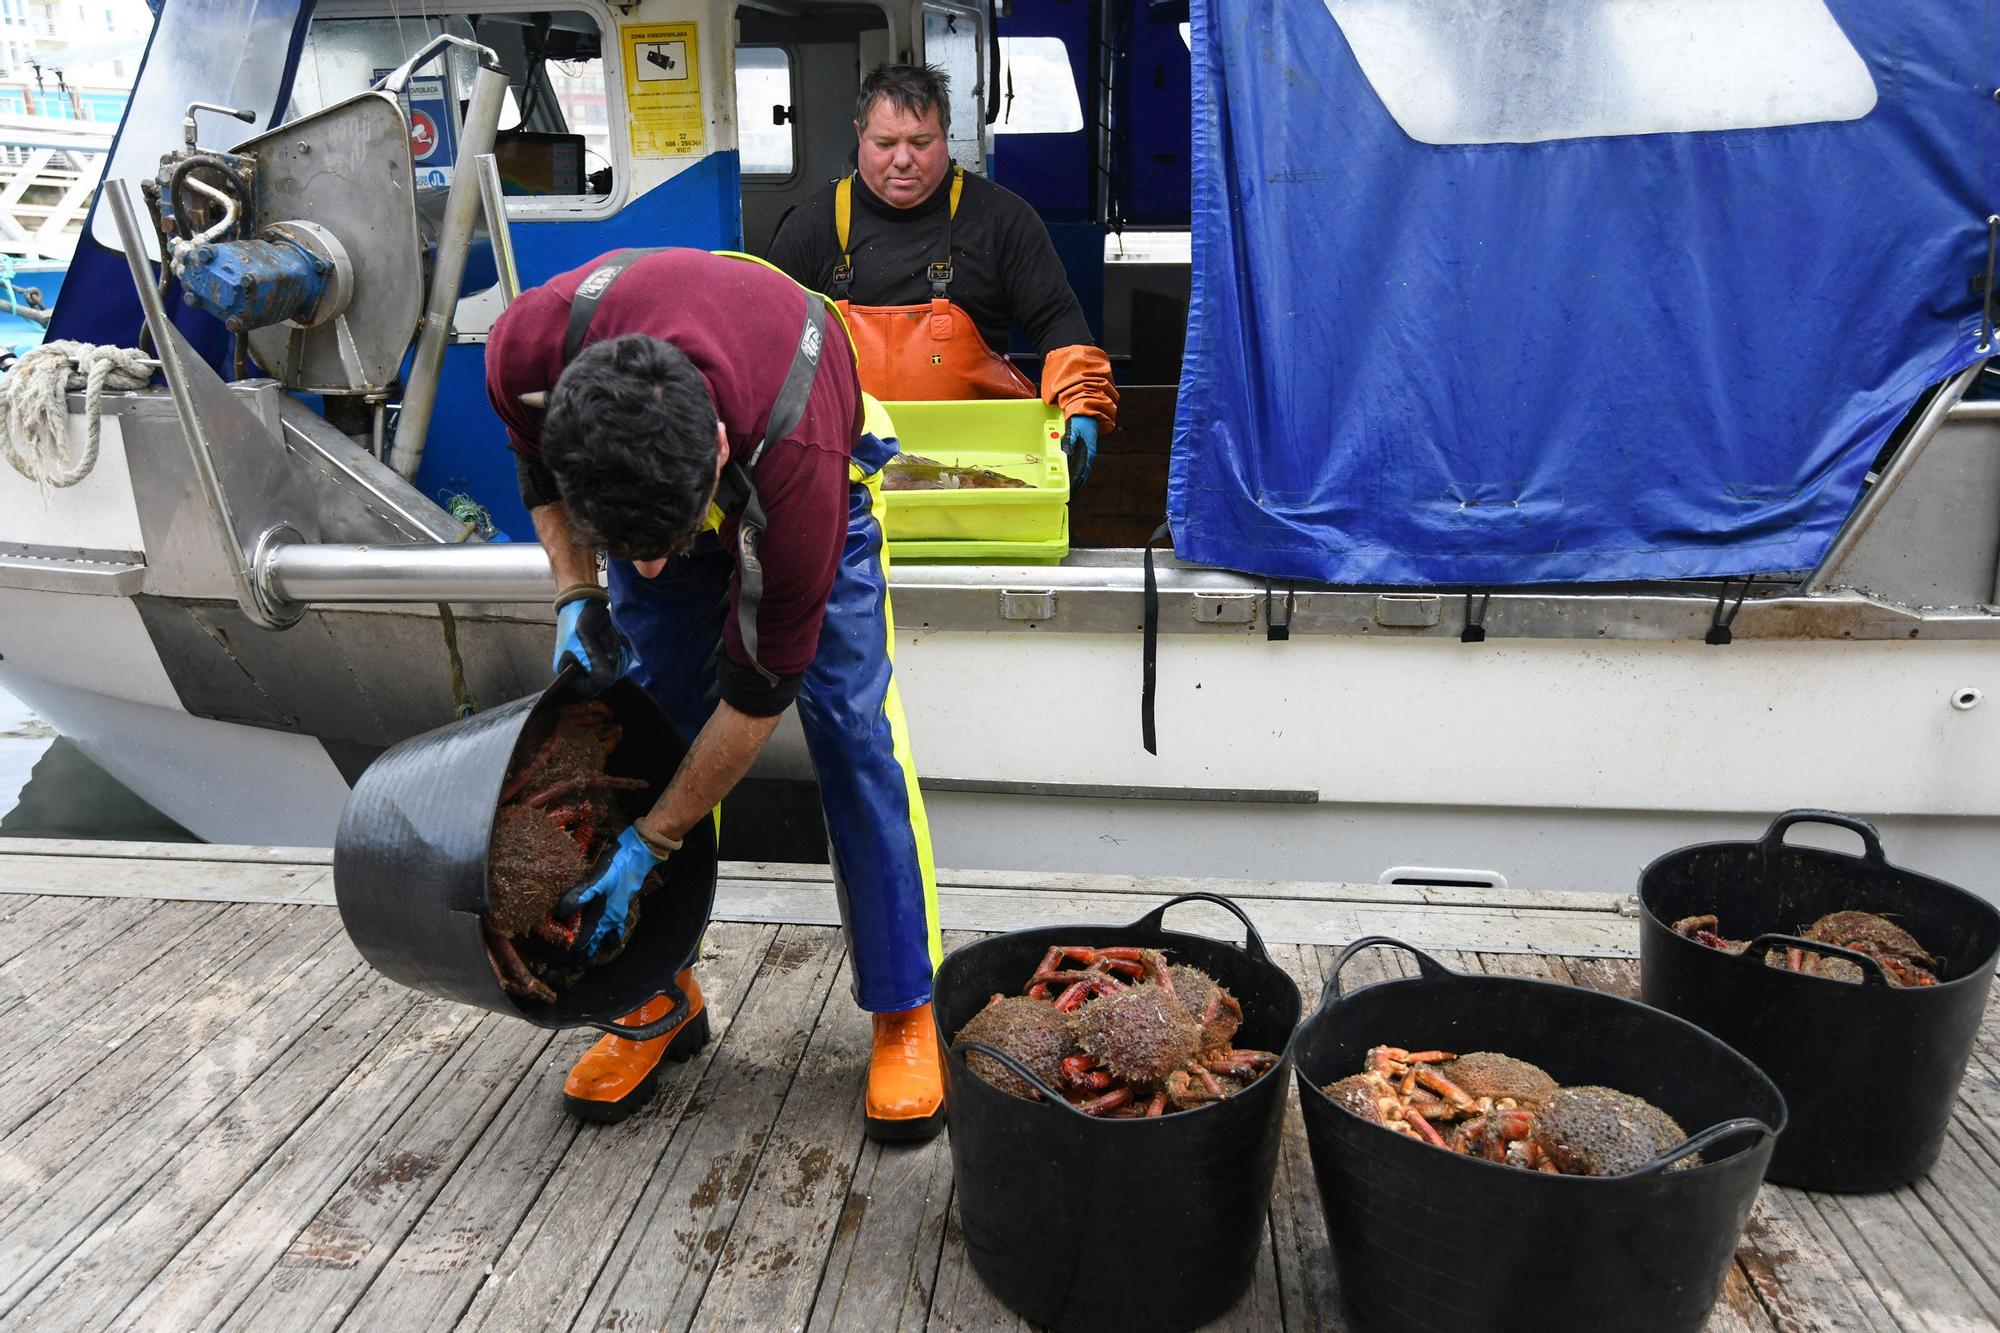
951 41
1471 72
766 134
555 145
1037 88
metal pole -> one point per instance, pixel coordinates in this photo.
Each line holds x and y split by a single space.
1870 507
482 121
167 343
304 573
497 231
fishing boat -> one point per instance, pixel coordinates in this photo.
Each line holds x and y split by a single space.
1563 456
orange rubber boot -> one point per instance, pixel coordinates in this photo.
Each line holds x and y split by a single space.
905 1087
617 1076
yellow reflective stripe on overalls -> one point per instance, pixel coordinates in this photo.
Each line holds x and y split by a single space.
899 727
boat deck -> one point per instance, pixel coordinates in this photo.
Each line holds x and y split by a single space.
212 1113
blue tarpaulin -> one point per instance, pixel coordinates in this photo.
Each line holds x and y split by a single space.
1569 290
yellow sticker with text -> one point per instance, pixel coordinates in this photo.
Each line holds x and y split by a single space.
663 90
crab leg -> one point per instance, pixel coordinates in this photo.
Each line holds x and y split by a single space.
1443 1087
1424 1130
583 783
1110 1101
1081 1072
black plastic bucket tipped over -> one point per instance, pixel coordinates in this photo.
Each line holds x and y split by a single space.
1455 1242
1085 1223
1869 1070
410 862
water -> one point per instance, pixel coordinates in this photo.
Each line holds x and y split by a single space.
49 789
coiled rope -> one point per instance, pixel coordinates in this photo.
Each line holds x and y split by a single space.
34 396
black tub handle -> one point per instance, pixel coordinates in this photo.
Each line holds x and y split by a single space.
1871 969
1871 840
1155 920
1743 1124
1426 965
1015 1067
676 1015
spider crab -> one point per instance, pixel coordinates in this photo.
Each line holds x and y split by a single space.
551 823
1904 962
1506 1110
1142 1036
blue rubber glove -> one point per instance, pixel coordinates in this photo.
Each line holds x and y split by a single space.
607 900
1079 441
586 636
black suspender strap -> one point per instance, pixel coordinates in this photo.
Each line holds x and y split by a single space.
590 295
786 412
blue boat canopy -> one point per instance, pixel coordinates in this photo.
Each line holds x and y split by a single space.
1569 290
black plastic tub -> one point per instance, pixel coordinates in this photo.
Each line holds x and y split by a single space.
1430 1238
1084 1223
410 858
1870 1071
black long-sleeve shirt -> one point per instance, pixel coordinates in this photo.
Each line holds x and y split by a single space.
1005 273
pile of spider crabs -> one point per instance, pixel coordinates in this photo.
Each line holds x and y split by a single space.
559 810
1120 1032
1903 961
1495 1107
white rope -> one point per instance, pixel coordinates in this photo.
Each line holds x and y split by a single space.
34 397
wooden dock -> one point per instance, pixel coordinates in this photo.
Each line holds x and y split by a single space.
213 1114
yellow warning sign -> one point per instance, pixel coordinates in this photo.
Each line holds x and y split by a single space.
663 90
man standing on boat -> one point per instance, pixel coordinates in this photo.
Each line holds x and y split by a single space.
933 269
698 418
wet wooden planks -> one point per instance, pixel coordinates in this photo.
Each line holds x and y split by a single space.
212 1115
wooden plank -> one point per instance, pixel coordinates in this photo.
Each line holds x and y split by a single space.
1921 1276
535 1168
103 929
655 1275
1047 881
90 957
1308 1295
107 996
961 1303
127 1163
881 1266
771 1264
26 922
155 1040
1280 921
381 1153
882 1261
90 1149
1802 1276
169 851
1158 888
223 1197
191 880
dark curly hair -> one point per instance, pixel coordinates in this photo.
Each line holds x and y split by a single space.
912 88
630 437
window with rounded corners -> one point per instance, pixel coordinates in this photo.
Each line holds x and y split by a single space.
556 151
766 144
1037 88
1472 72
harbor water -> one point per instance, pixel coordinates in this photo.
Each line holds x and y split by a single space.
50 789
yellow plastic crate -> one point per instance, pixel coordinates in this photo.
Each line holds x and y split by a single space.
1016 437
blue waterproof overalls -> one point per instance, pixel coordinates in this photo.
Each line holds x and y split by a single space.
880 844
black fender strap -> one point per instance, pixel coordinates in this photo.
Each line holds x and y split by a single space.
1150 652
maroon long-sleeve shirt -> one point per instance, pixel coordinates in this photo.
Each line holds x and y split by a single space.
738 322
